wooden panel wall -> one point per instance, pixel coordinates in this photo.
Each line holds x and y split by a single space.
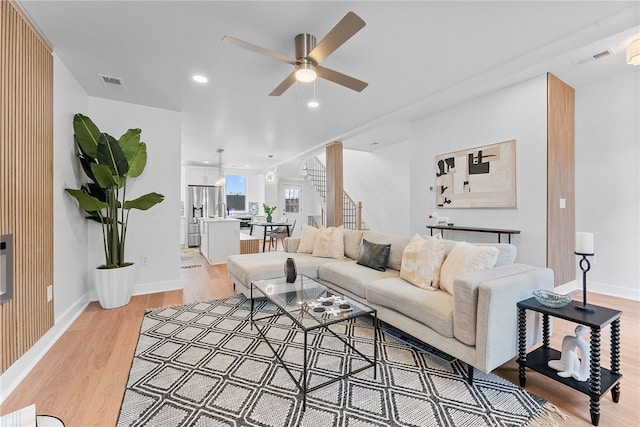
26 180
560 179
335 186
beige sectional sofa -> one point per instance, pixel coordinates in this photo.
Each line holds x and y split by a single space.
476 323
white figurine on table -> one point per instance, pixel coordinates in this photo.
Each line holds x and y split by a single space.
570 365
437 219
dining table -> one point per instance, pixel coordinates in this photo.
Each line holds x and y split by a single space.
268 226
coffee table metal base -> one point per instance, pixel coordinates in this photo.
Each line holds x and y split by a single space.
302 385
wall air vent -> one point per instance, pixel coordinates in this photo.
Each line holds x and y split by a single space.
112 82
593 57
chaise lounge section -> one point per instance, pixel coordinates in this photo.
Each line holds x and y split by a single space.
475 321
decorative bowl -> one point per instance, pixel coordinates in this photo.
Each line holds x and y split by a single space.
550 299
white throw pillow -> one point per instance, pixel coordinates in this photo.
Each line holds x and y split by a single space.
464 258
329 243
421 261
352 242
307 239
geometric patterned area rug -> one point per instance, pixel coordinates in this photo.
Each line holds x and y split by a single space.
188 261
202 365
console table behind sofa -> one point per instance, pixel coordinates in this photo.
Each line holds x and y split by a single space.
498 231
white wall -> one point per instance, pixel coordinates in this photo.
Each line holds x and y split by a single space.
380 180
608 182
518 112
70 227
155 233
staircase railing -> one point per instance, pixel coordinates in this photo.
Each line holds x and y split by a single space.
351 211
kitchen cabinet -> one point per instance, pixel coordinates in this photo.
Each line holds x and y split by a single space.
201 176
219 238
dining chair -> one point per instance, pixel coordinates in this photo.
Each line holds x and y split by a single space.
279 233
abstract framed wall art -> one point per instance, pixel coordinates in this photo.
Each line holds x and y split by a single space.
481 177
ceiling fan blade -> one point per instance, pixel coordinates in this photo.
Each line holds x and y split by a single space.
257 49
341 79
343 31
286 84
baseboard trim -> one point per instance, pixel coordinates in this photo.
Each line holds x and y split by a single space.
155 287
17 372
616 291
566 288
148 288
599 288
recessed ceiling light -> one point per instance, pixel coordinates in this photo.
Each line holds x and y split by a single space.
200 78
313 104
206 161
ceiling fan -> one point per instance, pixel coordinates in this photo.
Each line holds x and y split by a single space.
309 55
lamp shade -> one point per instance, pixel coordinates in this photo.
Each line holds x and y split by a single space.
584 243
633 52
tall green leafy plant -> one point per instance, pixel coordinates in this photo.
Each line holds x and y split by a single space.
108 163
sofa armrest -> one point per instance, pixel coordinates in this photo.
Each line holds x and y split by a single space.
290 244
465 297
497 327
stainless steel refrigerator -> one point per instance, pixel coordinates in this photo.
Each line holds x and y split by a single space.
201 202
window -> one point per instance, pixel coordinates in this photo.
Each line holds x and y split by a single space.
236 188
292 200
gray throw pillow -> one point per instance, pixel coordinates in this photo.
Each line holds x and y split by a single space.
374 255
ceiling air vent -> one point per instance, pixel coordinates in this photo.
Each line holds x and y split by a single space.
112 82
593 57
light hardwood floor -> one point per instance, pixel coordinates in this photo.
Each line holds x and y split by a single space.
82 378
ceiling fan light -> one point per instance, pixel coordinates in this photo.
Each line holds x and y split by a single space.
313 104
200 78
305 73
633 52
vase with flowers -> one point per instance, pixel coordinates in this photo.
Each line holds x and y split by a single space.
268 210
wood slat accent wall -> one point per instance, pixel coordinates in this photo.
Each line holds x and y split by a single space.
26 180
335 186
560 179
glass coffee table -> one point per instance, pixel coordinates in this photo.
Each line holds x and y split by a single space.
311 306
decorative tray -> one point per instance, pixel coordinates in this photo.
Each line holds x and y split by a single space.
330 305
550 299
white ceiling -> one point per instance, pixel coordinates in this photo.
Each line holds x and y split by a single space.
418 57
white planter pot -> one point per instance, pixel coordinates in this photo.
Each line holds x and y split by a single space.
114 286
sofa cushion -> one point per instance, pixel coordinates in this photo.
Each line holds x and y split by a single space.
465 258
290 244
374 255
352 242
307 239
434 309
352 277
329 243
398 243
421 261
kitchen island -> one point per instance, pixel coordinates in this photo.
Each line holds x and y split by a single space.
219 238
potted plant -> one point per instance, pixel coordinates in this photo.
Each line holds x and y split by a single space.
108 163
268 210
